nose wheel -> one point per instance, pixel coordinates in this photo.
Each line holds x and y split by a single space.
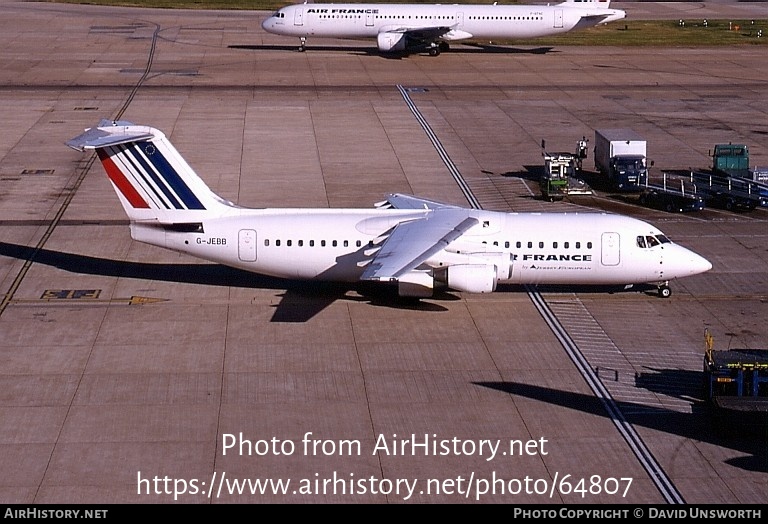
303 44
664 290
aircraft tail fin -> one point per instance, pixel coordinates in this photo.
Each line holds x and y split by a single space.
148 174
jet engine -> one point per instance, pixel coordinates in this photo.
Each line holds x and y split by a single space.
472 278
477 273
391 41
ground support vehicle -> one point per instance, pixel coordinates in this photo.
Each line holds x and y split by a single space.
560 178
730 160
621 158
759 174
736 384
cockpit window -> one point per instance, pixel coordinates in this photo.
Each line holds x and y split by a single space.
649 241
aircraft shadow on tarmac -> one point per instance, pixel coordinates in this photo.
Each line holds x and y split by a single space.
699 425
301 300
467 48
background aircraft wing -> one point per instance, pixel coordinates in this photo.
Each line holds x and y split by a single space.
587 21
411 243
400 201
422 33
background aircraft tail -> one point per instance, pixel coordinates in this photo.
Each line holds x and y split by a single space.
148 174
602 4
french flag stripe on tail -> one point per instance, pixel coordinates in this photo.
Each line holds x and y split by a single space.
145 177
164 176
122 184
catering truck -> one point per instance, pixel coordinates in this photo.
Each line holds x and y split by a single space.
621 157
561 176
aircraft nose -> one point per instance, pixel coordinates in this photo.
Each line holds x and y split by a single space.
680 262
693 264
699 264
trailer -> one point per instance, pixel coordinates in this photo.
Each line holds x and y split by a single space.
672 196
621 157
729 192
736 384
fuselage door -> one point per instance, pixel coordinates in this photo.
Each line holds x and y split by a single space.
246 245
369 18
558 18
609 253
298 17
459 20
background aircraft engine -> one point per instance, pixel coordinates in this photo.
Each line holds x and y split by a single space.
391 41
472 278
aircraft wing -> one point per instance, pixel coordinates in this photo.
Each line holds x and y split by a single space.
430 33
413 242
401 201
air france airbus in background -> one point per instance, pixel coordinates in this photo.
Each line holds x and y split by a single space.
416 244
417 27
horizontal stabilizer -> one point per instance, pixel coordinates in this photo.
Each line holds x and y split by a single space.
110 133
401 201
150 177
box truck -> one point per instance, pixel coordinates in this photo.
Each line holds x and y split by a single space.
621 157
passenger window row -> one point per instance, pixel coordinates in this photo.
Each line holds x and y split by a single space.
311 243
359 243
505 17
430 17
540 245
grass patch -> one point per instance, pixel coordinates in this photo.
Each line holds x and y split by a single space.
664 33
668 33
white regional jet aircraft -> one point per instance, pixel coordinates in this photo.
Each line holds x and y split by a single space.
415 27
417 244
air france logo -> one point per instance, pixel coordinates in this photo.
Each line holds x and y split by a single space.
552 258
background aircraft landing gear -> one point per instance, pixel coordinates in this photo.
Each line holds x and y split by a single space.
664 290
437 48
